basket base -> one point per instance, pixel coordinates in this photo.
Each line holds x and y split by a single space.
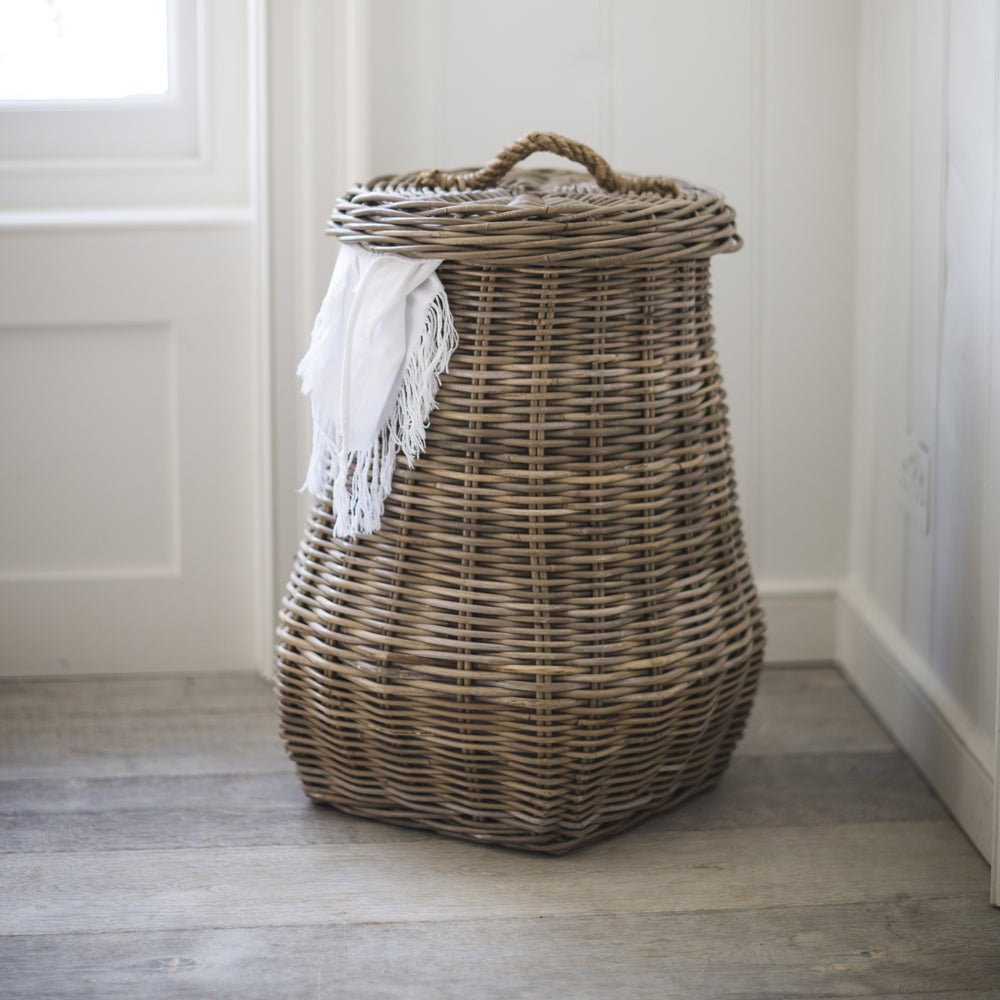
540 833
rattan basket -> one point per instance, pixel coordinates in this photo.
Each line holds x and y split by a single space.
555 633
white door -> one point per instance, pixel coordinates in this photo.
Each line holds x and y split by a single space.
132 406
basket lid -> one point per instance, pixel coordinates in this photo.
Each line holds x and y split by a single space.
500 216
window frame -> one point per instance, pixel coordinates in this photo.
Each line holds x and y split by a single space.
153 127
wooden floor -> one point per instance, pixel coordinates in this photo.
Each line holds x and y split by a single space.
155 843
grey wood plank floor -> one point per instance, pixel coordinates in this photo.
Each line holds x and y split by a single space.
155 843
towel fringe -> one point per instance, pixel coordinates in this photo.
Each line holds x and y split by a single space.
361 480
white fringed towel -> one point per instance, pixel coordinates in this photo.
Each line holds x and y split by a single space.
381 340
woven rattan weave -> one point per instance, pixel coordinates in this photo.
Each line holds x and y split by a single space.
555 633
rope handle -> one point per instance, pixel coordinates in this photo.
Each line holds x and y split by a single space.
551 142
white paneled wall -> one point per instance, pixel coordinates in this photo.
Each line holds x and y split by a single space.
133 415
754 97
918 621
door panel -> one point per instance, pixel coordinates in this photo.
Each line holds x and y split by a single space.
130 455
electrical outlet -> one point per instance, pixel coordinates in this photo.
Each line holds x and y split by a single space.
915 483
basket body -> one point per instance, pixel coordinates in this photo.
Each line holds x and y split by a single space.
555 633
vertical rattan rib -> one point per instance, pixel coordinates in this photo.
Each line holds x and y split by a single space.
555 633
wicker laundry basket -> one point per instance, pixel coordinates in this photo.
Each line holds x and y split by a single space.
555 632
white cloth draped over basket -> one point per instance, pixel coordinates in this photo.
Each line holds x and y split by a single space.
382 338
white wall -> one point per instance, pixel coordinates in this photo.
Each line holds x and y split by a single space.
309 161
918 616
754 97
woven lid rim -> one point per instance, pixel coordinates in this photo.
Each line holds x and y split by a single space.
542 216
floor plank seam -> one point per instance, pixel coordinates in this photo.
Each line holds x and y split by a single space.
976 900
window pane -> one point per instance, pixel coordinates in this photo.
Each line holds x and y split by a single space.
83 49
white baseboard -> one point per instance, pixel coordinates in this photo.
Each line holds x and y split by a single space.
934 731
800 619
